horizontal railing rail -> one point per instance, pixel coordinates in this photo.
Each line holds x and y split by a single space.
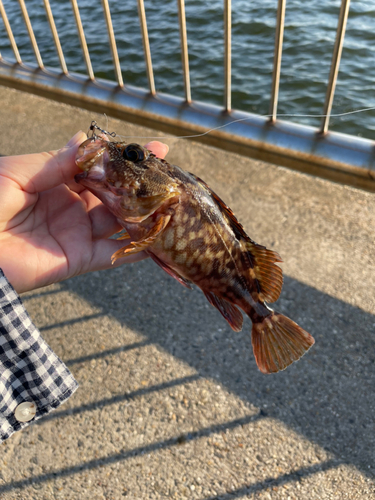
339 157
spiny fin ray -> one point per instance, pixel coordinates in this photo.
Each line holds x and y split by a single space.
228 311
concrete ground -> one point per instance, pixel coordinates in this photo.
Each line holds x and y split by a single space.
171 404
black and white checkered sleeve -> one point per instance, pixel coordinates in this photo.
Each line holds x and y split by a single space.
33 380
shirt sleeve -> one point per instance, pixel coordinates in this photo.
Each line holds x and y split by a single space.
31 374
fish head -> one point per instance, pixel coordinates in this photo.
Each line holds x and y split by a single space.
127 178
114 163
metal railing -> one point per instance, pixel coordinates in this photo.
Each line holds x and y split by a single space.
321 152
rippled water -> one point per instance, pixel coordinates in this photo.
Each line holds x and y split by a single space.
310 30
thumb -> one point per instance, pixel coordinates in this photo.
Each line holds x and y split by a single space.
78 138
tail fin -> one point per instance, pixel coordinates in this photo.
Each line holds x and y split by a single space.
278 342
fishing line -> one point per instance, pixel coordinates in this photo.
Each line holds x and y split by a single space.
284 115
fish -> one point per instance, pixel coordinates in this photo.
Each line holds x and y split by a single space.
189 231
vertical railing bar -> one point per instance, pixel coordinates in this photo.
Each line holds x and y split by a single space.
336 57
146 46
112 43
82 38
184 48
10 33
227 55
55 35
279 35
31 33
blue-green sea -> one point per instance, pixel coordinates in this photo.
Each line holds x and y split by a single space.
310 29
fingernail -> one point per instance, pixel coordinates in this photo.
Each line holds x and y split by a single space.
75 139
166 149
158 148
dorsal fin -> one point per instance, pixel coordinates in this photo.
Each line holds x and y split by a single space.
225 210
268 276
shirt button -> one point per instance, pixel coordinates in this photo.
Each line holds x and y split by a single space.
25 411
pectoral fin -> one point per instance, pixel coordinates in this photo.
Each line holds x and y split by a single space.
139 246
123 236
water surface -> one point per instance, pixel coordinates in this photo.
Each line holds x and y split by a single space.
310 29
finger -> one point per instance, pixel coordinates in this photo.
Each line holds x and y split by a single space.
158 148
104 224
41 171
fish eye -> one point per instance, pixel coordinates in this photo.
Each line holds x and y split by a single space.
134 153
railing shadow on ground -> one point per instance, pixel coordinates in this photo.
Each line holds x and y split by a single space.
327 396
176 441
282 479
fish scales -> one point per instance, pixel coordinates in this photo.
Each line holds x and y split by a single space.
185 227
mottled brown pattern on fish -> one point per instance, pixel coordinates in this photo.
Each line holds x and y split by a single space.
194 236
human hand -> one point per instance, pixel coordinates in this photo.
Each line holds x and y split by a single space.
50 227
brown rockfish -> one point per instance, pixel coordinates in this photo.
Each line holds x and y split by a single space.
175 218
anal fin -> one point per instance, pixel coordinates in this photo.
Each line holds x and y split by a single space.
228 310
171 272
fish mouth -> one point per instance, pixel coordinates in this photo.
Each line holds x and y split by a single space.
92 156
80 177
